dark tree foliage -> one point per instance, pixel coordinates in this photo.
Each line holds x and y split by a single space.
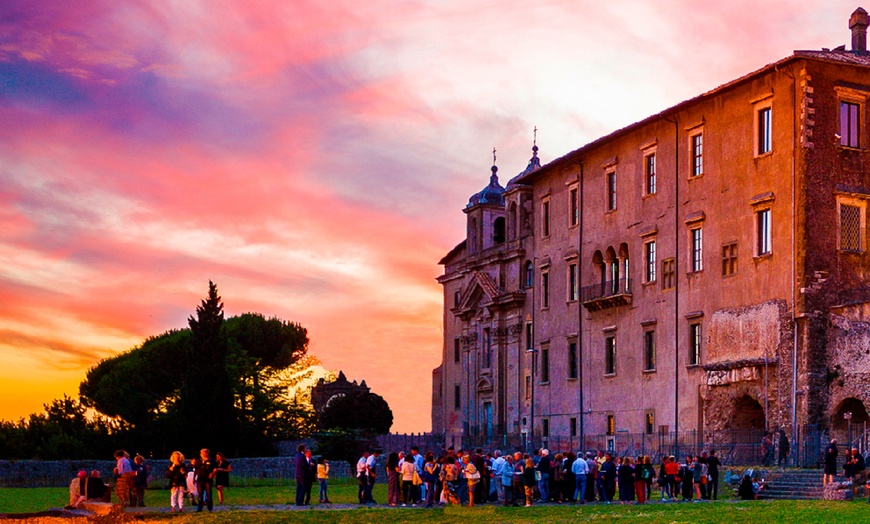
63 431
368 413
211 385
342 444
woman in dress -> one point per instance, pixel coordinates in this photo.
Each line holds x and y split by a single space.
529 481
831 453
472 476
393 479
222 475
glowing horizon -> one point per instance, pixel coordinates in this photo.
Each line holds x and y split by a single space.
311 159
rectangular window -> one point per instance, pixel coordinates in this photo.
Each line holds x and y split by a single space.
649 422
729 259
649 350
611 191
545 364
545 427
572 360
650 255
698 154
650 173
456 349
851 228
669 273
764 131
611 425
574 207
610 355
694 344
572 282
573 427
530 343
545 289
456 397
850 124
762 219
528 387
545 218
697 249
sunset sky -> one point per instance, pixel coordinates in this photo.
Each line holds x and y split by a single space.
312 158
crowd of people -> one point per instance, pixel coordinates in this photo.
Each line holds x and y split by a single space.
473 477
195 480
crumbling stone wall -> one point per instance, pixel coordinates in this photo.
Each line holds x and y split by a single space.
848 372
749 353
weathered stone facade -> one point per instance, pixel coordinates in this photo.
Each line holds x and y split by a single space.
704 269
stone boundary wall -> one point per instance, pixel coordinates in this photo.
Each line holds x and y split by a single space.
59 473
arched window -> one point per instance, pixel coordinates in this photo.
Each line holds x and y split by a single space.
498 231
530 274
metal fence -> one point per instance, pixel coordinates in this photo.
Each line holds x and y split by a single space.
738 447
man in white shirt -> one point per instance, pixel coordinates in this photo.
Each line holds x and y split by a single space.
497 469
362 476
370 467
580 469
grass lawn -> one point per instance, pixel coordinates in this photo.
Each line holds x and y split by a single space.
19 500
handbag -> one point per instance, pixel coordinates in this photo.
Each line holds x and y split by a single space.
416 479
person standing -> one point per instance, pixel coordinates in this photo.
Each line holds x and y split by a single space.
300 465
784 448
419 491
371 463
409 467
580 470
713 464
545 468
362 476
607 478
140 482
430 477
124 477
497 464
393 482
222 475
529 481
322 478
310 475
831 453
204 479
177 476
767 449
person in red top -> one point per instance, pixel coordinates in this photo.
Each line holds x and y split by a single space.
672 469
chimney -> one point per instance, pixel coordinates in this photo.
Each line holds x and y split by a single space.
858 24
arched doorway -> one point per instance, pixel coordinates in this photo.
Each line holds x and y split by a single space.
855 408
748 414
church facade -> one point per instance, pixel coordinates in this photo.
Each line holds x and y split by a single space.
705 269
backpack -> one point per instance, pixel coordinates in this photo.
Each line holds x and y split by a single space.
644 472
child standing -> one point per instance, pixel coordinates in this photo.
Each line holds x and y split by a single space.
322 477
191 481
177 476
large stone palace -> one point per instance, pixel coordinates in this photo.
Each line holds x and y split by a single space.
705 269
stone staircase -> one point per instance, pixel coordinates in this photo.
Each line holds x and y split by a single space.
794 484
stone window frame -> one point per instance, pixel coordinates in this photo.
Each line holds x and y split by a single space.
696 150
729 259
573 363
544 367
763 232
649 334
649 419
649 177
861 204
858 98
610 349
762 128
669 274
546 216
573 204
